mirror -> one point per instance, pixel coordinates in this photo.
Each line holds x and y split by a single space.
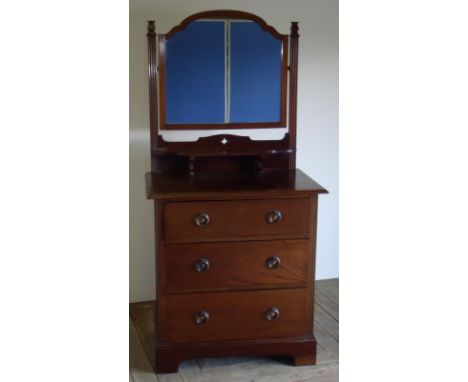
223 73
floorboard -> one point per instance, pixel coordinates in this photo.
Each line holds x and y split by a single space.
140 368
242 369
326 321
329 288
327 303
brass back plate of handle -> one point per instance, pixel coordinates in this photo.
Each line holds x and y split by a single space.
272 314
202 220
202 265
201 317
274 217
273 262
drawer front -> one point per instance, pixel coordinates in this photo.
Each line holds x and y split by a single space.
236 315
236 265
224 220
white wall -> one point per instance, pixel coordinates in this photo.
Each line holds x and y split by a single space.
317 123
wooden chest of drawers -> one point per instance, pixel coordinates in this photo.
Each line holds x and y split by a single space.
235 267
235 220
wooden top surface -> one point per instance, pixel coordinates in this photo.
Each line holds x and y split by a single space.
221 186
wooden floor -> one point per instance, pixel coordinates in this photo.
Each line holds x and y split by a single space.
242 369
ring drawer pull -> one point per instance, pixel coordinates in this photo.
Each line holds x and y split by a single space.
202 220
272 314
202 265
273 262
201 317
274 217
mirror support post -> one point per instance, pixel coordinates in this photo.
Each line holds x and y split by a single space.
293 64
153 87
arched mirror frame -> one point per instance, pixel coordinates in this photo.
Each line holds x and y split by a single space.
278 154
221 15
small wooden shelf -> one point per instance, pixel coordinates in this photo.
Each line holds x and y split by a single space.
221 152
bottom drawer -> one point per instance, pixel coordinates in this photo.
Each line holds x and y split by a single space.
236 315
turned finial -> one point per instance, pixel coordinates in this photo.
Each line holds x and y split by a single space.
295 29
151 28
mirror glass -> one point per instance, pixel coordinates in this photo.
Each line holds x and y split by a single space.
223 72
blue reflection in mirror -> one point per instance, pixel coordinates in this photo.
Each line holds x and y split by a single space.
255 74
223 72
195 68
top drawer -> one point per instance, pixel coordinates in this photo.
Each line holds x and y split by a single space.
239 219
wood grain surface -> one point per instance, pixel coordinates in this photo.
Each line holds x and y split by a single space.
237 369
235 265
236 315
236 219
276 184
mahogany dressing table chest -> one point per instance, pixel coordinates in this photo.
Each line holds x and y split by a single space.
235 220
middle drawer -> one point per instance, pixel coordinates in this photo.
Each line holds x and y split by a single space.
235 265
